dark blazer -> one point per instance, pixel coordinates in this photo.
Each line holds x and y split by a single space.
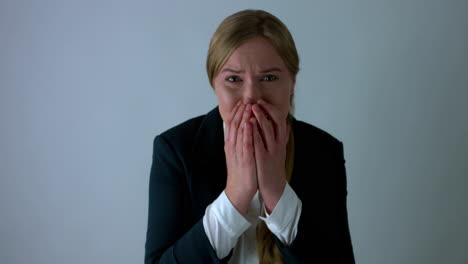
188 173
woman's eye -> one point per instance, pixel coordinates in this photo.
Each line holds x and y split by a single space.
269 78
232 79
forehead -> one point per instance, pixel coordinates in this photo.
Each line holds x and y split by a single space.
255 54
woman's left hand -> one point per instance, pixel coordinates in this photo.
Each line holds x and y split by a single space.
271 135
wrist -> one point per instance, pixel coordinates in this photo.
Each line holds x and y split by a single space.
239 200
272 195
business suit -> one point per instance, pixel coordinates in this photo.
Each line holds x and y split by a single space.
188 173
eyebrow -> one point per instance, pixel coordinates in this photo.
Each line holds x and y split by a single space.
273 69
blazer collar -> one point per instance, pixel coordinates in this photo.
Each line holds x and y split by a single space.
208 173
209 140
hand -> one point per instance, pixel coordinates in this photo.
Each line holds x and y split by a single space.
271 135
241 183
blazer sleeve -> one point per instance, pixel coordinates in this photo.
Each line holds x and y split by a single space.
335 240
170 237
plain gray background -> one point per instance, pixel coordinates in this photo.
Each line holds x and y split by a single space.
87 85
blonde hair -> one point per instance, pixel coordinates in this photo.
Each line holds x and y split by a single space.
233 31
245 25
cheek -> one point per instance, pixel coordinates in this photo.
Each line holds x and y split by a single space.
226 101
278 95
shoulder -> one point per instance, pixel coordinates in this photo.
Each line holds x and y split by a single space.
315 132
183 130
313 137
181 134
193 134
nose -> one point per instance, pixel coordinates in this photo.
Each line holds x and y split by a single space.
252 92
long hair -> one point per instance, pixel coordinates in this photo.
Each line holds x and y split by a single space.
233 31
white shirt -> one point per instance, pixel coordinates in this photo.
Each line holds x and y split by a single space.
226 228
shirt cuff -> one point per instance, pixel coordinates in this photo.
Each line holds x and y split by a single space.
223 225
284 218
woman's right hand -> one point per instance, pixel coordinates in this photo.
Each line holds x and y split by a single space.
241 183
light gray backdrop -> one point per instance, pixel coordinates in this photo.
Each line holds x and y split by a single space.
87 85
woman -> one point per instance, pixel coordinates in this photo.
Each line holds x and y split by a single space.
247 182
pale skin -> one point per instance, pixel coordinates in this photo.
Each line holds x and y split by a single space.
254 88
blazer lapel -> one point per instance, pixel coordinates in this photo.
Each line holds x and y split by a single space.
207 178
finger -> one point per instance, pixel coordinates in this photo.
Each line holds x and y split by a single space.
241 128
277 116
235 124
245 117
233 112
247 140
240 139
259 148
265 125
